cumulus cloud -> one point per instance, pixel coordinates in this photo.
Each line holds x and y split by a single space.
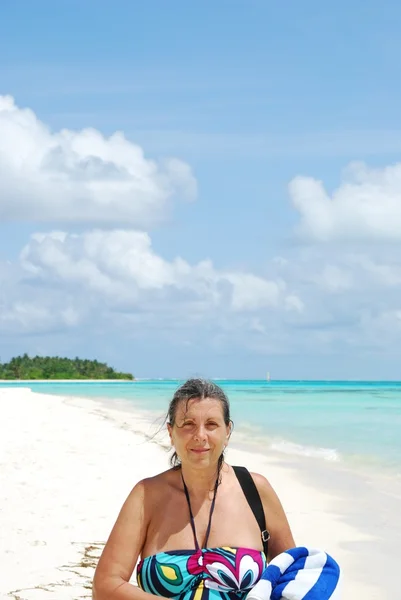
123 267
350 296
365 206
381 273
251 293
115 280
334 278
312 297
27 317
81 176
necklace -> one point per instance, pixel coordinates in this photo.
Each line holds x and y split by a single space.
192 516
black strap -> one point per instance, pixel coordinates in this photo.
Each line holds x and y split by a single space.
252 495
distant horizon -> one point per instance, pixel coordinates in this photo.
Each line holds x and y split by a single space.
178 379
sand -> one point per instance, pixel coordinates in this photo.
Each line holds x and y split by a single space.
67 465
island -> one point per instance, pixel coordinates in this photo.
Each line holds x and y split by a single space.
55 367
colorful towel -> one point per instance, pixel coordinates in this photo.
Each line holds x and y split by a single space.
299 574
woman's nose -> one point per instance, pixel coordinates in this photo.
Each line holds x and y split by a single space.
200 433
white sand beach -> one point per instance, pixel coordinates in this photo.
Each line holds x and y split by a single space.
67 465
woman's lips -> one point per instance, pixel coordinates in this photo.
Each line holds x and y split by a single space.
200 450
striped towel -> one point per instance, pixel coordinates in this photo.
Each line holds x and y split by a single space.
299 574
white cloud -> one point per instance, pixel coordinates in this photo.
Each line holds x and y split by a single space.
252 293
366 205
256 324
350 295
386 274
32 317
81 176
112 278
294 303
123 267
326 301
335 279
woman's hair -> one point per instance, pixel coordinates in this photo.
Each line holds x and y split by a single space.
197 389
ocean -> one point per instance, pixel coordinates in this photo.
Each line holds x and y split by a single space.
354 423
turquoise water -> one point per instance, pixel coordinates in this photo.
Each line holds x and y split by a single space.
358 422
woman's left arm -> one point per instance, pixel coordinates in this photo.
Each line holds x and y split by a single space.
276 521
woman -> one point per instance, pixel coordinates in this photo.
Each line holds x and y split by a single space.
192 526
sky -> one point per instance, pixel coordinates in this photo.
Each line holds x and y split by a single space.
202 188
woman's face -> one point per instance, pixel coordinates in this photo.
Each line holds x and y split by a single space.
199 434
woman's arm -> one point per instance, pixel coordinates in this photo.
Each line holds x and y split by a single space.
276 521
122 550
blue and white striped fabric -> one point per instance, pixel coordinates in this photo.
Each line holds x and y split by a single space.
299 574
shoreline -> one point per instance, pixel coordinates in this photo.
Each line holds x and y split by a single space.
14 381
60 494
356 448
368 382
249 440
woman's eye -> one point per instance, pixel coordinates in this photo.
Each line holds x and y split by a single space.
212 424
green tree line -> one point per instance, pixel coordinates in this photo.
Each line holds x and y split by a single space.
55 367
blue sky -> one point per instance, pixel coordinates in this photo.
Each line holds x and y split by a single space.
203 243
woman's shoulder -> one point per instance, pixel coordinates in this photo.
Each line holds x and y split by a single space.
264 487
155 485
259 479
268 495
276 520
168 477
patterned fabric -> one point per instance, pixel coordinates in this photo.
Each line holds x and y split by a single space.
204 574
